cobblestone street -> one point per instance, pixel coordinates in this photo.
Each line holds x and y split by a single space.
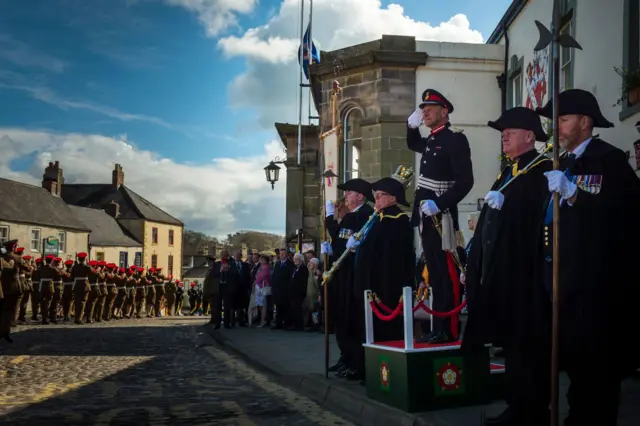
145 372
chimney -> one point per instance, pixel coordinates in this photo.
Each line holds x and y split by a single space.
53 178
117 176
112 209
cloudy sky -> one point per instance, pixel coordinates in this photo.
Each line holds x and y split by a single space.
182 93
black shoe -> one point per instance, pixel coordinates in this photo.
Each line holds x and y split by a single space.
8 338
355 375
439 338
342 372
337 366
425 338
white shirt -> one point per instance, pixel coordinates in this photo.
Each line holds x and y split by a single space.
579 150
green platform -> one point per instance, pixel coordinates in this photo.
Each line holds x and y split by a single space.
430 377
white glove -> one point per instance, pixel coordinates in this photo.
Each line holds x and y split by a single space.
429 208
415 119
463 278
495 199
352 243
329 208
325 248
559 183
3 250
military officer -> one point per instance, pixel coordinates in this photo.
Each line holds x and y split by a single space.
170 288
11 288
57 289
35 293
120 279
160 291
179 297
26 273
67 291
446 177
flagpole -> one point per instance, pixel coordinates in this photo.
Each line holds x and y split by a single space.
310 50
300 83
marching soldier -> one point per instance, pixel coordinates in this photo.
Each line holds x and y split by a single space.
140 284
179 297
11 288
446 177
81 274
503 252
170 288
110 279
150 292
102 290
600 196
35 292
67 292
46 288
28 268
130 302
57 290
357 195
94 293
120 279
160 291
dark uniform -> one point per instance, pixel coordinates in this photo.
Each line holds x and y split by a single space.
385 262
11 288
508 305
598 246
81 272
446 177
179 297
341 309
67 291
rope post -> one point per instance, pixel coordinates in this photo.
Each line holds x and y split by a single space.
407 300
430 304
368 318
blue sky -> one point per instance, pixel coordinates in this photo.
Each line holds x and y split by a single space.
155 71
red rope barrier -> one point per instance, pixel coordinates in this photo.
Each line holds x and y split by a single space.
392 313
440 314
384 317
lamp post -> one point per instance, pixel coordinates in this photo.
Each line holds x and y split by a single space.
272 171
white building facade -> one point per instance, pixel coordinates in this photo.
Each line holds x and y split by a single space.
609 36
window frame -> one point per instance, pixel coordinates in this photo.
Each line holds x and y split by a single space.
170 264
154 260
39 240
62 247
630 49
154 235
516 70
100 256
171 237
8 237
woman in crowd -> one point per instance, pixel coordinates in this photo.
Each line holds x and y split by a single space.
313 292
298 291
262 288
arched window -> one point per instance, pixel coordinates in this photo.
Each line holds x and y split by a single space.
352 144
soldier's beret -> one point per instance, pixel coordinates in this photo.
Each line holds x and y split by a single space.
193 284
68 262
93 262
57 259
152 270
27 257
179 284
121 270
131 271
112 266
19 249
140 269
102 263
39 260
433 97
158 269
49 257
81 255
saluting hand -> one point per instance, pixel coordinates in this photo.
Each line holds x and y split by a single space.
329 208
415 119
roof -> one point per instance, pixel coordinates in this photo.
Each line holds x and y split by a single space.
198 272
507 19
132 205
25 203
105 230
286 130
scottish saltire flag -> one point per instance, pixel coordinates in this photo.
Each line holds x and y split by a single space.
315 55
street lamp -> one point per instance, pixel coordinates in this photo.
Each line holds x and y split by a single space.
272 171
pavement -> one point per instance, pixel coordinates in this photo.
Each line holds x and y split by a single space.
159 371
296 360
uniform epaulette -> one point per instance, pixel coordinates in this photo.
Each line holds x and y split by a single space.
457 130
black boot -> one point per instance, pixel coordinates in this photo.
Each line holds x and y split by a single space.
337 366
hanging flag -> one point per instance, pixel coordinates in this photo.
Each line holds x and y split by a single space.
315 55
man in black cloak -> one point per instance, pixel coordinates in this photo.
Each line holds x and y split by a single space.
385 263
600 205
357 194
507 305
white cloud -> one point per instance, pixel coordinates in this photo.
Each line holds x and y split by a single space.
23 55
270 82
217 15
217 198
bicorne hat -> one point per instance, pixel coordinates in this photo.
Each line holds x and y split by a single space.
392 187
358 185
577 101
520 118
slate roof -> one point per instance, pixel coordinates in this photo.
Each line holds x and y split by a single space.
132 205
23 203
105 230
199 272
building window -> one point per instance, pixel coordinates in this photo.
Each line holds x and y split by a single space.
170 237
154 260
352 145
514 82
170 264
138 259
100 256
35 240
124 259
566 59
62 242
4 234
630 51
517 90
154 235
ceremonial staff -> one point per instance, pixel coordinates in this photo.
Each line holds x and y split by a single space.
556 40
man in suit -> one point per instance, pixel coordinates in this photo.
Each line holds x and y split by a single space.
282 272
242 290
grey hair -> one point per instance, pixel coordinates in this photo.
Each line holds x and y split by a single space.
315 260
299 256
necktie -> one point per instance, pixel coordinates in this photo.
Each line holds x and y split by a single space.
571 158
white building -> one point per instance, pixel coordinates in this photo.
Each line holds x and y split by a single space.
609 36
